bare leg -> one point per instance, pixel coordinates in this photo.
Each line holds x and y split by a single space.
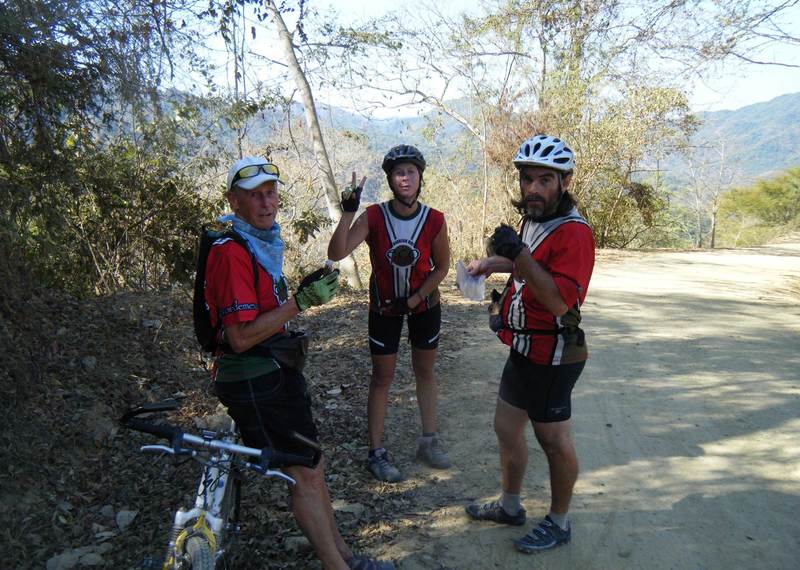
556 441
312 509
422 361
509 425
382 375
341 545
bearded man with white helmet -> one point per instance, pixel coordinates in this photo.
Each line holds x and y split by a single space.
550 260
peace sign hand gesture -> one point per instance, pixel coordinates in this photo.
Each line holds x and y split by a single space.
351 197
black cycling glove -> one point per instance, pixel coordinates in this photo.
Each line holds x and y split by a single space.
351 198
505 242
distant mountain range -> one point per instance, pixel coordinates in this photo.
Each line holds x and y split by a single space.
760 140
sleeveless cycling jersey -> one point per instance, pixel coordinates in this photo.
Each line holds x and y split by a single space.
564 247
400 252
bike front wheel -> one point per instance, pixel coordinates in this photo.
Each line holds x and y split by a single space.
199 553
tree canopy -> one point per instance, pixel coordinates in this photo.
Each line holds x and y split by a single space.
119 118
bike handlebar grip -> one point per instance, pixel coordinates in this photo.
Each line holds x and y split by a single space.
273 458
168 432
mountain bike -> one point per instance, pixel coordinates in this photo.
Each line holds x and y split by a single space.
202 533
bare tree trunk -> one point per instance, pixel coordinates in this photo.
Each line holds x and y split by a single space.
238 59
714 211
699 243
485 184
610 218
713 229
348 265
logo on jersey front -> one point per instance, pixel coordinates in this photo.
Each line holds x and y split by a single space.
403 254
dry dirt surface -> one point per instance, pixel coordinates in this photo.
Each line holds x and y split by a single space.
685 419
686 422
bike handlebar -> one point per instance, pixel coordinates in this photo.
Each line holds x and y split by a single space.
172 433
267 457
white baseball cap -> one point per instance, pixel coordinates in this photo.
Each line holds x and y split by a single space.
249 178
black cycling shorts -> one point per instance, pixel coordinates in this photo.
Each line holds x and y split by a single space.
423 330
544 391
268 409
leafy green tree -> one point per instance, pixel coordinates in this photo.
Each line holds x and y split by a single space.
96 183
586 71
768 208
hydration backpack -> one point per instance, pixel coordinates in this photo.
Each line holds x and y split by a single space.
211 233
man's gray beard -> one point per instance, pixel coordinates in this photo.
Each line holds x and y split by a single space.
539 209
534 209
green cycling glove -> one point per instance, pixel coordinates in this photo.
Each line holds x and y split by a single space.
317 288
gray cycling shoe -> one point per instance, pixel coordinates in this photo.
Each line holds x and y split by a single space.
494 512
431 452
380 467
544 536
361 562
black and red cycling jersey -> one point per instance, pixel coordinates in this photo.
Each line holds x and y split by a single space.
400 250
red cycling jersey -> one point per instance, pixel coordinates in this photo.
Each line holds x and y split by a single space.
400 249
564 247
229 288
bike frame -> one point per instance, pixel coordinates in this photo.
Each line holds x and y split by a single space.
209 517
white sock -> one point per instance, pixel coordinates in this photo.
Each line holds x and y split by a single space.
560 520
510 503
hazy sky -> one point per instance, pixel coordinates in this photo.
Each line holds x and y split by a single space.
732 86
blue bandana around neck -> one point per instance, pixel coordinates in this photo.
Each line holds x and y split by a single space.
267 245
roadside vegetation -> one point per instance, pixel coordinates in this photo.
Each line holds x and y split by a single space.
762 212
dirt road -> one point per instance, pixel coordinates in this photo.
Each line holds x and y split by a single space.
686 421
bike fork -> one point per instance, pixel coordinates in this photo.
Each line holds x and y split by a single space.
177 529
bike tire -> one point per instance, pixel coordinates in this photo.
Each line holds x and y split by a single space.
199 553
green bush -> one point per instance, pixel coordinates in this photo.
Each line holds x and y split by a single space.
762 212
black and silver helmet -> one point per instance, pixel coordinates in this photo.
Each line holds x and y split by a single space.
403 153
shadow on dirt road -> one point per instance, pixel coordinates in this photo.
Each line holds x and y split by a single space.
685 420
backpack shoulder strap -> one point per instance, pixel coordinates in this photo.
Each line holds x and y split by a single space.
209 235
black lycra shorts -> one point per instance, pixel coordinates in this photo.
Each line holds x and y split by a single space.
544 391
268 409
423 330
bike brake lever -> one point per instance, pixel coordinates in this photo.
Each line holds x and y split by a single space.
166 449
271 473
157 449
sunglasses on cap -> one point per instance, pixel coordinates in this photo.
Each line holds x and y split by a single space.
254 170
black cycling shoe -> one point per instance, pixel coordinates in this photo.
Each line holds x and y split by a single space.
494 512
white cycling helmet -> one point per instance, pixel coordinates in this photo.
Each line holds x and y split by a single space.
547 151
